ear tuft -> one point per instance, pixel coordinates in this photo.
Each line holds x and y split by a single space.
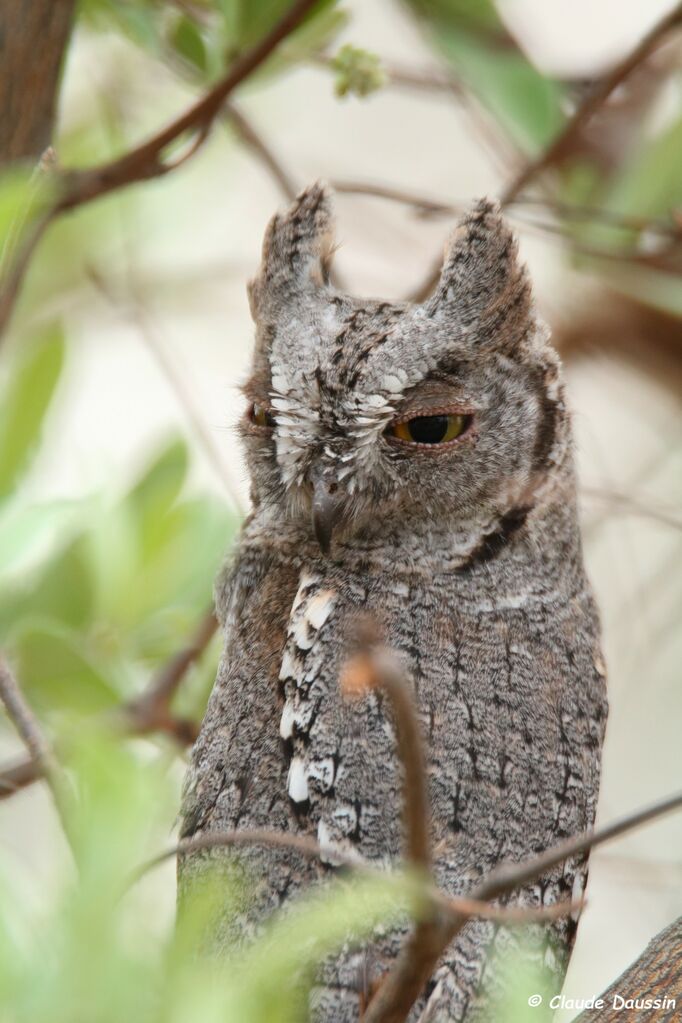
297 250
483 286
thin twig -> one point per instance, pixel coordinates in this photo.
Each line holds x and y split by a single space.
428 206
24 720
584 113
311 849
424 205
376 668
147 160
404 983
445 83
257 144
143 715
33 737
509 876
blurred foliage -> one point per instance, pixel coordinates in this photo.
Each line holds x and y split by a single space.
471 36
95 593
94 953
632 169
206 35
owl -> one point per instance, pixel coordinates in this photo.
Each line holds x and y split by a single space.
413 463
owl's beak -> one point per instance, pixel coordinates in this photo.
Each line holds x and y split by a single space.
327 510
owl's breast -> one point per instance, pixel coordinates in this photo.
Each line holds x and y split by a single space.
504 702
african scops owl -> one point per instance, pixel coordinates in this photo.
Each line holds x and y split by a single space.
411 462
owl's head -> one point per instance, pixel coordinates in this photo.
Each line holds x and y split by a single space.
368 418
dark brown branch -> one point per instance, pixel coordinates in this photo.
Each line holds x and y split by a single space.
147 161
593 102
148 713
656 974
376 668
414 966
17 776
33 38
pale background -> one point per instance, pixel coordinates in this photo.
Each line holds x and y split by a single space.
190 244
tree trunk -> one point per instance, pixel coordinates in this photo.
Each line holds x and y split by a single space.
656 975
33 38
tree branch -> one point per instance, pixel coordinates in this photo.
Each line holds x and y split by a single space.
309 848
594 100
427 206
405 981
76 188
31 733
28 79
656 974
584 113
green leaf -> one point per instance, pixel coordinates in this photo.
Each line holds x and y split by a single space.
188 42
650 184
25 400
251 21
157 489
65 591
138 20
28 534
527 105
479 15
57 671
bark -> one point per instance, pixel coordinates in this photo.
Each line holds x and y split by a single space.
33 38
657 974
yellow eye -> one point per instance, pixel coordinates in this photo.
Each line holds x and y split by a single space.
430 429
260 416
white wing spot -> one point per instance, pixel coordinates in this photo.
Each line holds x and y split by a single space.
319 607
286 725
289 665
302 634
297 782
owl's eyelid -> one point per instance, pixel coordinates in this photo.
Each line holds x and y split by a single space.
437 410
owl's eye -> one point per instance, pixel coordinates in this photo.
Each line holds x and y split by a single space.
259 416
431 430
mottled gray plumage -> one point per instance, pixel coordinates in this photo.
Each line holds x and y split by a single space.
469 557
